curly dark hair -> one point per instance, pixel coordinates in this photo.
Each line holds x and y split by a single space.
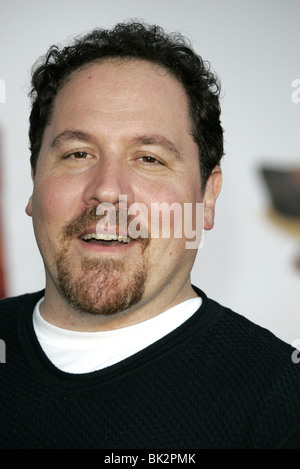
140 41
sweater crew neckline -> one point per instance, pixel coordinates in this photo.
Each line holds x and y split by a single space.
34 353
81 352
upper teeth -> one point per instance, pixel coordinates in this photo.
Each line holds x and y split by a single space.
106 237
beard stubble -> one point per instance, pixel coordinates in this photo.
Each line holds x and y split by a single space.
100 286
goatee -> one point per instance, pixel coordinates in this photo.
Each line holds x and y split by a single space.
100 286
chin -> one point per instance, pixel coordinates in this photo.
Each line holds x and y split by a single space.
104 287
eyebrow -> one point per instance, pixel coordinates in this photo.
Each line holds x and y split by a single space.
157 140
69 135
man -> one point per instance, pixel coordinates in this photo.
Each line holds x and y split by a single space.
120 350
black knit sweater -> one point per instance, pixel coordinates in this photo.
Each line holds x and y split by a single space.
218 381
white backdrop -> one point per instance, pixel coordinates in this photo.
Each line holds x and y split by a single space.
253 45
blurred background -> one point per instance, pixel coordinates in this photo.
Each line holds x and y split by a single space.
250 260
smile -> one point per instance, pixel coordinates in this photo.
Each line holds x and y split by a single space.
105 239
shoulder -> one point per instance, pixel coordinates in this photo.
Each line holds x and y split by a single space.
246 348
236 328
11 311
10 308
15 302
263 369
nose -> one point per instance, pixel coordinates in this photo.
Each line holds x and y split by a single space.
108 180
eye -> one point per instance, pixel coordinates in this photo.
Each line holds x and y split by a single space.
149 159
78 155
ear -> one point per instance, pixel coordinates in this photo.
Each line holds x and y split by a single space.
28 208
212 190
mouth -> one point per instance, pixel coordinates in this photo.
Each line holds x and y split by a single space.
105 239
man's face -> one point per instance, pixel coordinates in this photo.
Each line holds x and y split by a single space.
117 128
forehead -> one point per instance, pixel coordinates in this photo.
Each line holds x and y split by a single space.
124 86
118 71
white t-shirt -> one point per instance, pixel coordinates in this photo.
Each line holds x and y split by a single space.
84 352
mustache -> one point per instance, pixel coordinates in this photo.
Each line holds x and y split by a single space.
90 217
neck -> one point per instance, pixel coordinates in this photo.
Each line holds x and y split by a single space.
56 310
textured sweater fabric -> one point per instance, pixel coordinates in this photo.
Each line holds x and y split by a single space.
217 381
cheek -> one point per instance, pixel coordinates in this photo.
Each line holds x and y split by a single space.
167 217
171 196
52 206
161 191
